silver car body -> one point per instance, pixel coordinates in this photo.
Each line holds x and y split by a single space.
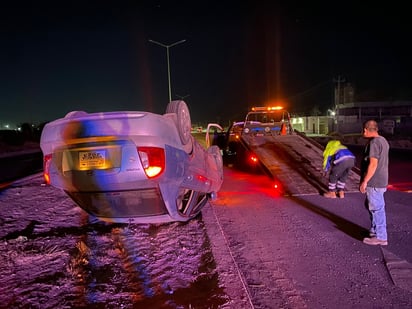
132 166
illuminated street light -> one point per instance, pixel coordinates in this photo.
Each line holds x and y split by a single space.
168 61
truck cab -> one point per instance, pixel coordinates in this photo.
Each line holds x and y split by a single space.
272 120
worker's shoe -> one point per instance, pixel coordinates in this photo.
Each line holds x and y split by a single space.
375 241
330 194
341 194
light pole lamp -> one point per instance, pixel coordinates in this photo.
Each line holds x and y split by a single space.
168 60
182 97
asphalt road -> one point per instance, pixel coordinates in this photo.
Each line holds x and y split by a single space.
307 251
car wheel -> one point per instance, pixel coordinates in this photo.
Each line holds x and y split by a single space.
183 199
184 123
189 202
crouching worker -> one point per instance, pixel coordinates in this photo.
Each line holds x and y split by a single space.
339 160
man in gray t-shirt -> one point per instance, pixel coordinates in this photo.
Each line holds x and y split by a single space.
374 181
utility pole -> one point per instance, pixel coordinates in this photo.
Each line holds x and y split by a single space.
337 99
168 61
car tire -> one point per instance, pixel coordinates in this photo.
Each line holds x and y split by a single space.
75 114
184 123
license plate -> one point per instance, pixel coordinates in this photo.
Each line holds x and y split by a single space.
92 159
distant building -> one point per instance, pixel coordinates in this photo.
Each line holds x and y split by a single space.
313 124
394 117
347 116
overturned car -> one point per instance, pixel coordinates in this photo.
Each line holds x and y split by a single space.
132 166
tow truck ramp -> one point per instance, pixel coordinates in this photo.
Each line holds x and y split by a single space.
294 160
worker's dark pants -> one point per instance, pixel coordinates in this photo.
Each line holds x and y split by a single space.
339 173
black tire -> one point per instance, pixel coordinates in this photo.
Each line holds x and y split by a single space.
184 123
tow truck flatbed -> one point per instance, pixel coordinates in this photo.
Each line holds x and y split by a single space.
290 157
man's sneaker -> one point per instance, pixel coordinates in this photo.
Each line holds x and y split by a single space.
375 241
341 194
330 194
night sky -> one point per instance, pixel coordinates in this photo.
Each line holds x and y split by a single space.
96 56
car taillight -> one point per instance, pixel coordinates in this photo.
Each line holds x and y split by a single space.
153 160
46 168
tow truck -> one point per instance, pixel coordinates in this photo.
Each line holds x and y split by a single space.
292 159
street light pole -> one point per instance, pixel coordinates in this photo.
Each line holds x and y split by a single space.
168 61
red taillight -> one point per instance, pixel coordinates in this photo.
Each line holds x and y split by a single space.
253 159
153 160
46 168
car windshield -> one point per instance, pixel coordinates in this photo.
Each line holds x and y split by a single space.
237 128
267 117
